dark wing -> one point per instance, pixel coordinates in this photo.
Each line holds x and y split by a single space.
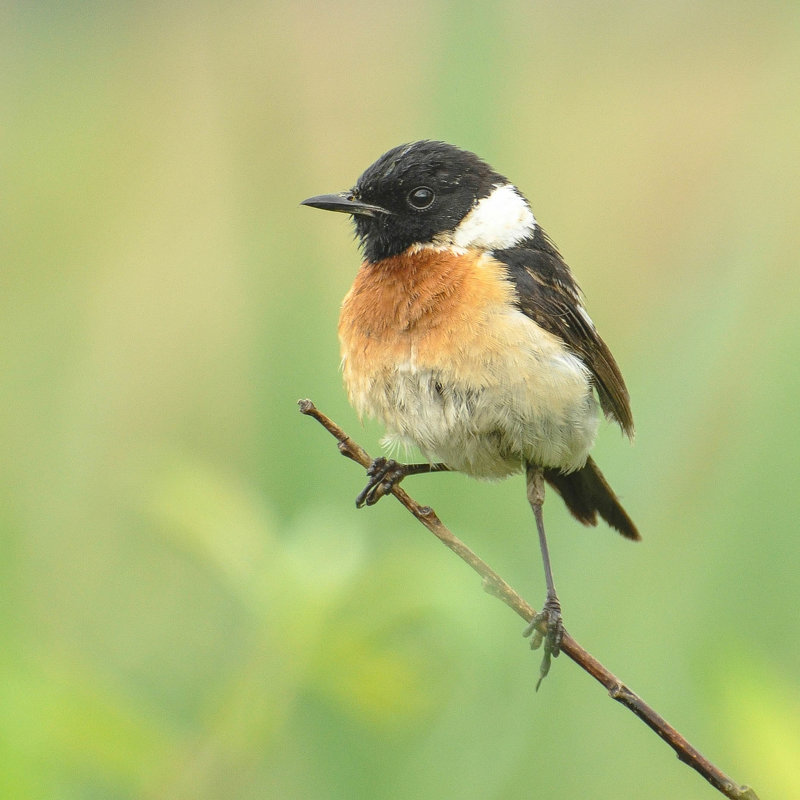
548 294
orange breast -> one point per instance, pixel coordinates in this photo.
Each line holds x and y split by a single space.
419 308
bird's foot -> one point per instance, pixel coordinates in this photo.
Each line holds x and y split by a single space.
384 474
550 615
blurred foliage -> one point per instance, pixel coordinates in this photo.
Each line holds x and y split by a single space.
191 606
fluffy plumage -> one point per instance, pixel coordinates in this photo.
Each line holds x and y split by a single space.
465 333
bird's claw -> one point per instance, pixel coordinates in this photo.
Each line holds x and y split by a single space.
384 474
550 615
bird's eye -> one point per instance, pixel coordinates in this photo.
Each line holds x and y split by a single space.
421 198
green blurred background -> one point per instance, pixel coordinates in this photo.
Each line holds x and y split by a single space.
191 605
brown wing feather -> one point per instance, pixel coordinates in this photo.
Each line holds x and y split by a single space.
549 295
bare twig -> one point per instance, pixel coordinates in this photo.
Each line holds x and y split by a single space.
496 586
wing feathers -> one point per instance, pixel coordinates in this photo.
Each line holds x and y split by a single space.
548 294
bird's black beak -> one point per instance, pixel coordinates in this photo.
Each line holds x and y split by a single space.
344 202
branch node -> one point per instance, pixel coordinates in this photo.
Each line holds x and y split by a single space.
618 691
491 587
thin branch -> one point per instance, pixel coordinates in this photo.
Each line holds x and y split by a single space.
496 586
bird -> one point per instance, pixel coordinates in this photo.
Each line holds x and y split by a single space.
465 334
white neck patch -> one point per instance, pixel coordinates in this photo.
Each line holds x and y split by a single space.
498 221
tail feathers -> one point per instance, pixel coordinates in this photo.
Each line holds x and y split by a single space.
587 494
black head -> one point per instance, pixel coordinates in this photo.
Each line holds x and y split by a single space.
411 195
